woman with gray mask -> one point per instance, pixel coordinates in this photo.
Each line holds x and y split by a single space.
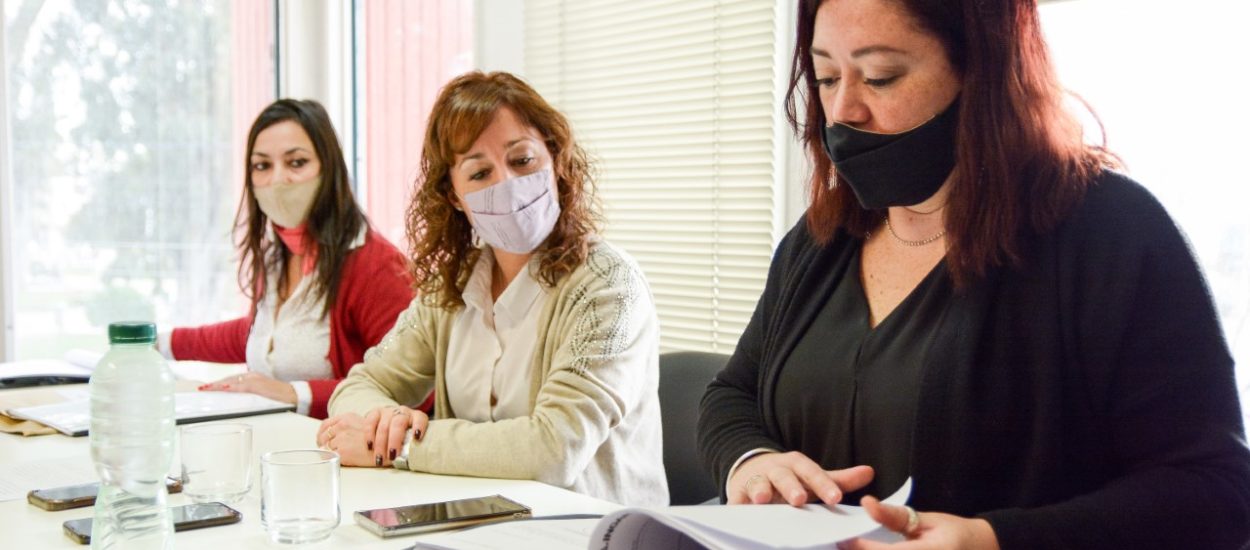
324 286
540 340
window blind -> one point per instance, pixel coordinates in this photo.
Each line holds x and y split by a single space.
679 104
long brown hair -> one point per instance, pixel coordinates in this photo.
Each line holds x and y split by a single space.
1022 163
440 236
333 222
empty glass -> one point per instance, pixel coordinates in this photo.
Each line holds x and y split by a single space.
216 462
299 501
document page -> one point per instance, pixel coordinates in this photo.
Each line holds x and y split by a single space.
18 479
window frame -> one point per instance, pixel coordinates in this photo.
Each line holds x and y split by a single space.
6 204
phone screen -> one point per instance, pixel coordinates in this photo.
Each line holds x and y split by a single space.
443 512
186 517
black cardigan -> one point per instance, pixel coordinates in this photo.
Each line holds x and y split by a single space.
1084 399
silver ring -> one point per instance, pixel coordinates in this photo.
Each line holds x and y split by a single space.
746 487
913 521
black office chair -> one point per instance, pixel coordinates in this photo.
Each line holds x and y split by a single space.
684 376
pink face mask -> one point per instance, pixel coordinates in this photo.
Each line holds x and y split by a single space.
515 215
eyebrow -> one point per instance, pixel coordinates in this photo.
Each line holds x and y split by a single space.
875 48
506 146
289 151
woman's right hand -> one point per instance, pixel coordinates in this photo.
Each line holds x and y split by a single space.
348 435
792 478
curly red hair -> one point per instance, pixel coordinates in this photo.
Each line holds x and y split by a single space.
440 236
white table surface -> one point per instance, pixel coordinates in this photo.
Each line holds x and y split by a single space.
25 526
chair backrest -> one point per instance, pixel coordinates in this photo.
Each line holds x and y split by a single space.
684 377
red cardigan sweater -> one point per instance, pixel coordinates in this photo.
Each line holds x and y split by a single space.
376 286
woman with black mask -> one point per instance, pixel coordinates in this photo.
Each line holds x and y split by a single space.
975 301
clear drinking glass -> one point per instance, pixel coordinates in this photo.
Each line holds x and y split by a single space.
216 462
299 500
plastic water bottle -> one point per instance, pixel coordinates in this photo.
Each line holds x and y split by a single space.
132 441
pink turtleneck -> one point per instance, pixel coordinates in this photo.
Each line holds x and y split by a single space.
294 239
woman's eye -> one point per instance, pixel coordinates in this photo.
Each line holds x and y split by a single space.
260 166
298 163
476 176
524 161
880 82
827 82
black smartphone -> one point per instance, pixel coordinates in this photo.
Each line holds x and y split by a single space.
78 496
422 518
186 518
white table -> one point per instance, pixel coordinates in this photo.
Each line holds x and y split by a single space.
25 526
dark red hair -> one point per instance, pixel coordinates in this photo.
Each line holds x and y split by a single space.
1022 162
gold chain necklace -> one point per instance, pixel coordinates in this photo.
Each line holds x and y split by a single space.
906 242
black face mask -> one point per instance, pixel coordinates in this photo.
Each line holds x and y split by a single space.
900 169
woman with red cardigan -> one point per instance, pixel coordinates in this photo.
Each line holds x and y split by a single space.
324 286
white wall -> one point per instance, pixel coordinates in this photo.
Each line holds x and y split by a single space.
315 61
6 207
499 36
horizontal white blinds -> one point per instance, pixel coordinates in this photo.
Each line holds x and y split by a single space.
677 102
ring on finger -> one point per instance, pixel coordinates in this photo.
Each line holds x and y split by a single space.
746 487
913 521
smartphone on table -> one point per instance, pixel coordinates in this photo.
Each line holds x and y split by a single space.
78 496
435 516
186 518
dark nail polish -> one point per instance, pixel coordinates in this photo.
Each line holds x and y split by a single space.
377 460
392 454
369 445
416 435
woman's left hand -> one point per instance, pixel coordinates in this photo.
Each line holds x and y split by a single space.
254 382
924 530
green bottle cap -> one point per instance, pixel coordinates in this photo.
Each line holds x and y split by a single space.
132 332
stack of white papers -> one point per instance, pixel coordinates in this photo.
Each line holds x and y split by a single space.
743 526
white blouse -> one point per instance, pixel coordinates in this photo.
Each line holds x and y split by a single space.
293 345
491 345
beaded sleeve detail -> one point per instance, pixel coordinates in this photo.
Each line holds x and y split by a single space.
600 328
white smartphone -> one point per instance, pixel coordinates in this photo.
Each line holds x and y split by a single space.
435 516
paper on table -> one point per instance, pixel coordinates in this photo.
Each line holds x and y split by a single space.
529 534
741 526
682 527
20 478
74 367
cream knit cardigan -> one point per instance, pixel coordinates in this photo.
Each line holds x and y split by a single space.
594 425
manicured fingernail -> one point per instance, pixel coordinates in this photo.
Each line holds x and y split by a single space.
369 445
377 460
392 455
416 435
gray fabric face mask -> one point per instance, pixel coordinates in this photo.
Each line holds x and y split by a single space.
287 204
515 215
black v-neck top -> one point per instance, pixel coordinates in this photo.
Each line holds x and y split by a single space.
852 389
1080 397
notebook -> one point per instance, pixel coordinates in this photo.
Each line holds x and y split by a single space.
73 416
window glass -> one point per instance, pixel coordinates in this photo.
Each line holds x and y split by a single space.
406 52
1168 84
128 121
